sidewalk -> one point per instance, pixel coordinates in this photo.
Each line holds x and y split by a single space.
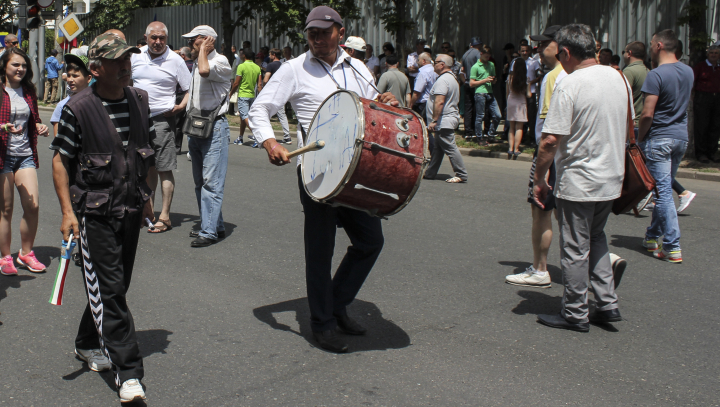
698 174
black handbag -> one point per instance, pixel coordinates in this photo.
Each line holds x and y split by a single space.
199 122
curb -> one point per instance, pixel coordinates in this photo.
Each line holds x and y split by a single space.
704 176
471 152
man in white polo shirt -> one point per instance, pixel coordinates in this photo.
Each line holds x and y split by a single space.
160 72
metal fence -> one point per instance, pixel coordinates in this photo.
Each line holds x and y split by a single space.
615 22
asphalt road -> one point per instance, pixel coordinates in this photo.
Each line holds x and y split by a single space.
228 325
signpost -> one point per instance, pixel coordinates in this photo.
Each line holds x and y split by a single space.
71 27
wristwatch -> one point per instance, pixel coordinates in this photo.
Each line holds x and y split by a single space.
434 121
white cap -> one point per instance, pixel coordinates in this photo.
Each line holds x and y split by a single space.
204 30
355 43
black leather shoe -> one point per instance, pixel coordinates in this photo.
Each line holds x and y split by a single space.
612 315
196 233
329 340
349 325
557 321
202 242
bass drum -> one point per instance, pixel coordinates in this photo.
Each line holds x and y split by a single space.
374 157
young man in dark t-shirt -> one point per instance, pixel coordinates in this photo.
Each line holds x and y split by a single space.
663 136
272 67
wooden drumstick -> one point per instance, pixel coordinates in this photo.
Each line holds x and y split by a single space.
314 146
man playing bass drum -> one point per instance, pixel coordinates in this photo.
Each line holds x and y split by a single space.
305 82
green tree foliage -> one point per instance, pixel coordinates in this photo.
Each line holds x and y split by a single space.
287 17
394 17
6 14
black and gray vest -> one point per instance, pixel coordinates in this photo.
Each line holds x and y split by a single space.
110 179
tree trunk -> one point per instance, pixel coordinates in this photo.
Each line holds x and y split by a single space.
400 6
696 52
228 28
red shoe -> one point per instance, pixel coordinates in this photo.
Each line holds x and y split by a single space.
7 268
30 262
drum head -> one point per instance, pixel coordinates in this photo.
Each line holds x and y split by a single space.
338 122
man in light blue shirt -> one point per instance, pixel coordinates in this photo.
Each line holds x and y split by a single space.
423 83
52 66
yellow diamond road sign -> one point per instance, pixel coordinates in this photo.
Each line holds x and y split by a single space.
71 27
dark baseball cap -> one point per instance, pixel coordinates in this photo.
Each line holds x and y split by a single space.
322 17
547 35
475 41
420 41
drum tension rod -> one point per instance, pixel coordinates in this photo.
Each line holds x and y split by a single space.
376 146
374 106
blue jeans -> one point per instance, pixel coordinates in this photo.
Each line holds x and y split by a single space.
482 100
15 163
663 158
209 166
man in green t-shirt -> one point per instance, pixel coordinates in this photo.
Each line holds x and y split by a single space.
246 80
482 77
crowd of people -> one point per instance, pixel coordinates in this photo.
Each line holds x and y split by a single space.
115 144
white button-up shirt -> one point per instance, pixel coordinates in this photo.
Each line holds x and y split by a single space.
305 83
207 93
160 77
425 81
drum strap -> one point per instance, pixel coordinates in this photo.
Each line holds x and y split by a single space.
332 77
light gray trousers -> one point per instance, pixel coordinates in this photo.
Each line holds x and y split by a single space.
584 255
284 122
445 144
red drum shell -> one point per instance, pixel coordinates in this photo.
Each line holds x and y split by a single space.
378 173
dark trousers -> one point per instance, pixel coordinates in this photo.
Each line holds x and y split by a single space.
469 117
329 295
179 122
108 246
707 123
529 133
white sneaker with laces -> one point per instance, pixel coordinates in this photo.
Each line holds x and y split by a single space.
529 278
188 156
95 359
131 390
645 201
685 200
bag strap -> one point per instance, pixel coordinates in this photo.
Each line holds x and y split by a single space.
630 124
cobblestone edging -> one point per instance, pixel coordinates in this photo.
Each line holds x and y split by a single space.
682 173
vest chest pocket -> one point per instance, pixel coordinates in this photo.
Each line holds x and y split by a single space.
97 169
145 161
77 196
96 203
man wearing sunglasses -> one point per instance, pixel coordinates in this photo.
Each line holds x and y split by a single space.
11 41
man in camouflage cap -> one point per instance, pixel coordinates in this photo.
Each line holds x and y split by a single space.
102 157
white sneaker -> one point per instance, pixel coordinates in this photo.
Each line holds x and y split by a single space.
188 155
131 390
529 278
650 207
95 359
645 201
685 200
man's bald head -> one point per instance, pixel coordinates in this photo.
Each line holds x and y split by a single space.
116 32
156 26
425 58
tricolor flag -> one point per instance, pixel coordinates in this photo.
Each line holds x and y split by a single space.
59 286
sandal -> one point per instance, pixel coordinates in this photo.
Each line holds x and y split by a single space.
164 227
454 180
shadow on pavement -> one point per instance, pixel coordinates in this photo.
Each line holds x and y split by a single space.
520 266
150 341
382 333
633 243
46 254
535 302
153 341
177 219
12 282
